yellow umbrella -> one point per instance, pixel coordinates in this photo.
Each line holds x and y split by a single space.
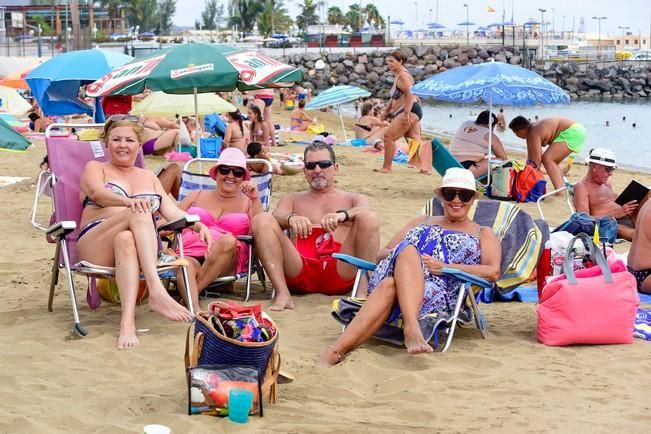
11 102
166 104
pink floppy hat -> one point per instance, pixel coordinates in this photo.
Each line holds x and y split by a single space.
232 157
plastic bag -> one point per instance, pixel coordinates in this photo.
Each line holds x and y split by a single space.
208 388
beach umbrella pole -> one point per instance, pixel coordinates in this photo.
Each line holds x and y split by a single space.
196 122
343 127
490 138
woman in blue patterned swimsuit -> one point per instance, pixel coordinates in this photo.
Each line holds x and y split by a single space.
407 280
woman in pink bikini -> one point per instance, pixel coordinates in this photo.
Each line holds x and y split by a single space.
227 212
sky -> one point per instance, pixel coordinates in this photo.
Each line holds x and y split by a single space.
635 14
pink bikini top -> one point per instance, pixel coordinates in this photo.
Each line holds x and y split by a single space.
236 223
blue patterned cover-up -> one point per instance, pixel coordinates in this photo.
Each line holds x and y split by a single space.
448 246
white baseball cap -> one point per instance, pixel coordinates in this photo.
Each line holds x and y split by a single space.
456 177
602 156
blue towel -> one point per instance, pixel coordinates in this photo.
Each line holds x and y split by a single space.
642 329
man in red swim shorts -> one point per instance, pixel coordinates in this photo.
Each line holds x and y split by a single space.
323 221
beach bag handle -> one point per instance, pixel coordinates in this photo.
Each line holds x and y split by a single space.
595 254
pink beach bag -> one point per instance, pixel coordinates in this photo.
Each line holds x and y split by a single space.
596 305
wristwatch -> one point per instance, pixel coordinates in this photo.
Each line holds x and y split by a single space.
347 218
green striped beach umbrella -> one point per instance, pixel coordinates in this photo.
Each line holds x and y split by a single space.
196 68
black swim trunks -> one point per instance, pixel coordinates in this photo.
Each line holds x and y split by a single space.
640 276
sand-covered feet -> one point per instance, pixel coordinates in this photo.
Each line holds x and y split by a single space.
282 302
127 338
415 342
382 170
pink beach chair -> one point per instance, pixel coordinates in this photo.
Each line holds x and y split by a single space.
67 159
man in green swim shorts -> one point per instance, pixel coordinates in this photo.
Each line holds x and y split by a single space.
563 137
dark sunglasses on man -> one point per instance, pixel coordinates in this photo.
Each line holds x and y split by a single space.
323 164
238 172
448 194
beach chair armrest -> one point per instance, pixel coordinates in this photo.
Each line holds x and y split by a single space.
467 277
352 260
61 229
180 224
248 239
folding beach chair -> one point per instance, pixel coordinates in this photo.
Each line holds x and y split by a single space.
67 159
432 325
442 160
195 177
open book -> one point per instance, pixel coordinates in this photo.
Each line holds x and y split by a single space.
634 191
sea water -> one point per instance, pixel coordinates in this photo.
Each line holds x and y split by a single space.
631 145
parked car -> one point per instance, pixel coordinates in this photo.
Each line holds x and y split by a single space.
26 38
642 55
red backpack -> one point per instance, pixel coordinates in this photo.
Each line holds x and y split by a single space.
529 184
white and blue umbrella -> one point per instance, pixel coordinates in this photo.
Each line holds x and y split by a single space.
493 83
435 26
397 22
337 95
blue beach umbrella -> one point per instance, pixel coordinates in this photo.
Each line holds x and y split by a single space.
435 26
337 95
55 83
397 22
466 23
492 83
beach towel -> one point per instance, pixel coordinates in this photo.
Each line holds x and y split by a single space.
522 238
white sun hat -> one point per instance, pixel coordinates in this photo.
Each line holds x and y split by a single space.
456 177
602 156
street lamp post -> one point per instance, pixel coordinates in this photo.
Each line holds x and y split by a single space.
599 42
416 6
542 32
465 5
624 29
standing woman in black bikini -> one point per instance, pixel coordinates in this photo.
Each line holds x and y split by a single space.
117 228
405 113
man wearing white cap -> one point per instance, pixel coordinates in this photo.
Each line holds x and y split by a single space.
594 194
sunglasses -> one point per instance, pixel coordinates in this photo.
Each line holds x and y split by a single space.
323 164
609 169
448 195
238 172
130 118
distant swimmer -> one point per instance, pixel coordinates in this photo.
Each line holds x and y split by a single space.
501 120
450 115
623 118
634 125
607 123
535 118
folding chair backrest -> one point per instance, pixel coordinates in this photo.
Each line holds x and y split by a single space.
67 159
442 158
195 177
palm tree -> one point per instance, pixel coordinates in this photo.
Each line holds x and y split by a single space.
308 15
245 13
143 13
354 17
336 16
113 8
373 16
273 18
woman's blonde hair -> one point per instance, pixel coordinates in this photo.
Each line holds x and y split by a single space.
112 124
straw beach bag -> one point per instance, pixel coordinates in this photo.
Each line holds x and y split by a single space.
211 346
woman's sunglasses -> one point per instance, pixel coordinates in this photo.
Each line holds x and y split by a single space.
323 164
130 118
448 194
238 172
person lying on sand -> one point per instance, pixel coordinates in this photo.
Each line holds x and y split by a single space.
407 280
323 221
119 200
256 150
161 135
595 196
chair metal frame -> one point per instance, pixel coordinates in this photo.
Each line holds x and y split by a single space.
365 267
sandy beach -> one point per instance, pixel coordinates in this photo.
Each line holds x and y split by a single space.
508 383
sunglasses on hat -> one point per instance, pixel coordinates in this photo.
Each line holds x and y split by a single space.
130 118
323 164
448 194
238 172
